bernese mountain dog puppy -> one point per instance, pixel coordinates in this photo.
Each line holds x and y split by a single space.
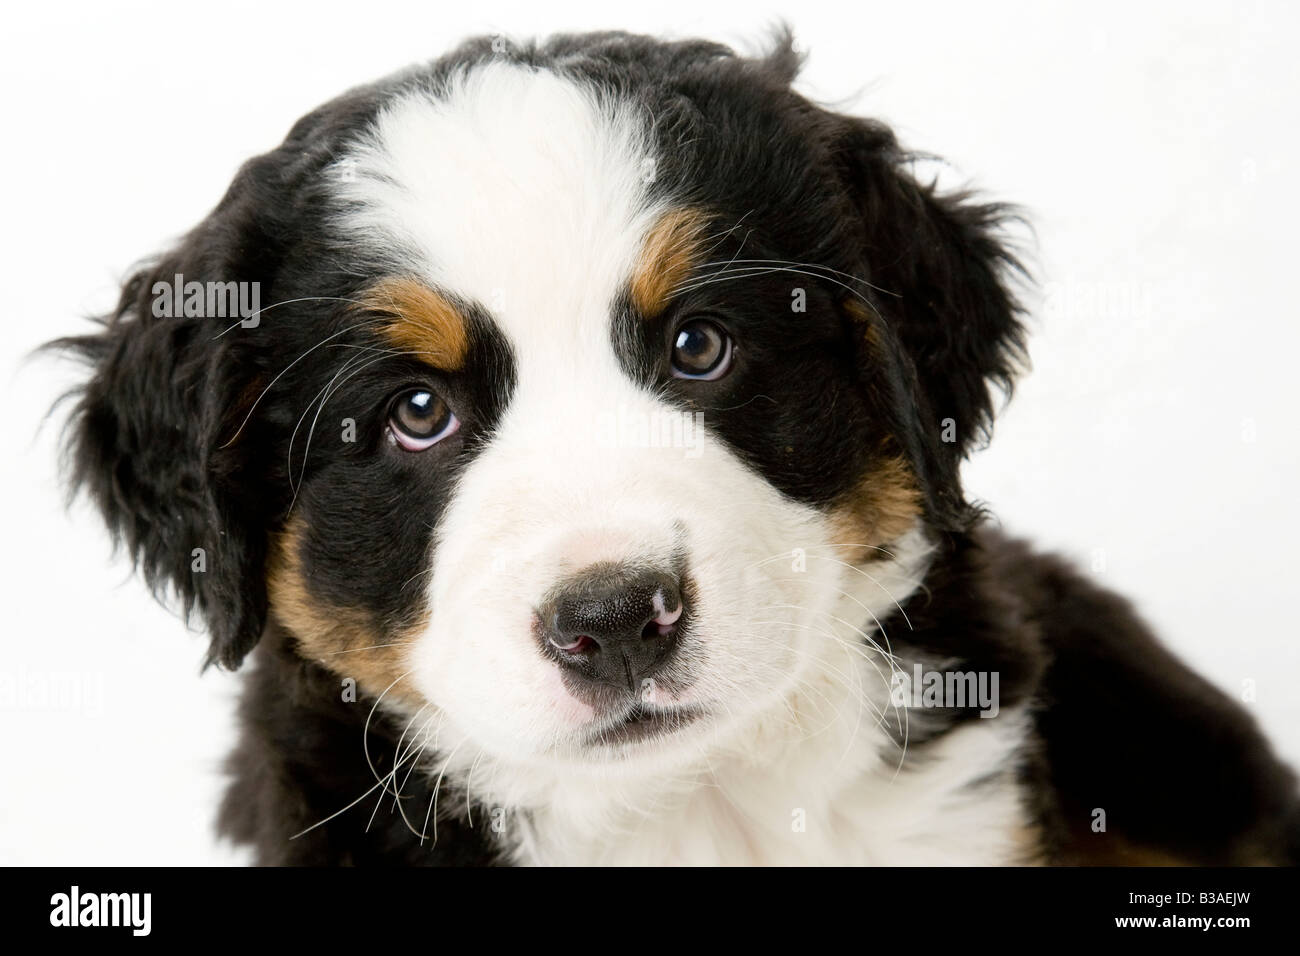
570 434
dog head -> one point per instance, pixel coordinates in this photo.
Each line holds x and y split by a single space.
566 395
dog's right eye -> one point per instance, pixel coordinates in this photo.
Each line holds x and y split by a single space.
419 419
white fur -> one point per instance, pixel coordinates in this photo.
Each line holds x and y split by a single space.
524 192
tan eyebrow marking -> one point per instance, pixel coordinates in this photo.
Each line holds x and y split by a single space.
671 250
419 320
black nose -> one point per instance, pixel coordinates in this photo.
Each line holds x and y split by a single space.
614 624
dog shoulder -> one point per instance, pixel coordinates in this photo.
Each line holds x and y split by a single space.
1139 759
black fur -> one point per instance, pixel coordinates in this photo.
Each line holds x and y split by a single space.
193 433
300 754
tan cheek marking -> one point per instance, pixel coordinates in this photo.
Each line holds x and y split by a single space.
344 640
671 251
417 319
885 504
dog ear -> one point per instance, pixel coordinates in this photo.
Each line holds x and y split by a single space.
941 267
168 436
156 436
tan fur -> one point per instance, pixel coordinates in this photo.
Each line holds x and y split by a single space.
671 251
347 641
884 505
419 320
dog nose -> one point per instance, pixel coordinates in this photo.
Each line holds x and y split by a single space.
616 625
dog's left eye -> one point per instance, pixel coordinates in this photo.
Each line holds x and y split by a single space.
419 419
701 350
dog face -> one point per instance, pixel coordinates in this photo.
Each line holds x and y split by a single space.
593 384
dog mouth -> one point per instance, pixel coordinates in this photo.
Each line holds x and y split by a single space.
641 724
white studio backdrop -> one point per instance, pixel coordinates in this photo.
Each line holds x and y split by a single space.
1151 145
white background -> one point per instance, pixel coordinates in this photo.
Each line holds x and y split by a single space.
1152 145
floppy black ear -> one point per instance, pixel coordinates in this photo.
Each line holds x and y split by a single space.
145 441
942 266
155 436
162 436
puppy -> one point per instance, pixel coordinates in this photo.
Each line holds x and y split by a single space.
569 434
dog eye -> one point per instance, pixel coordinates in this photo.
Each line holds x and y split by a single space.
701 350
419 419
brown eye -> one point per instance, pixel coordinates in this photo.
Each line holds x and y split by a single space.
419 419
701 350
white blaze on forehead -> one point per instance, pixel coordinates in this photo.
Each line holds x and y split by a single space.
514 187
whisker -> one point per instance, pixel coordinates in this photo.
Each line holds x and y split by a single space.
323 395
806 265
368 647
821 633
268 308
338 812
721 236
365 730
414 744
422 749
755 271
433 806
469 783
284 371
379 782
